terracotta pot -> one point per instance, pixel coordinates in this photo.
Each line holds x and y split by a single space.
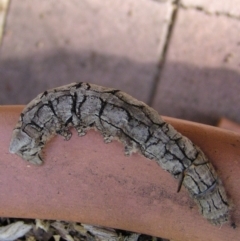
91 182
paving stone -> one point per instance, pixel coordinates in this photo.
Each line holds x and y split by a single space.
200 78
230 7
51 43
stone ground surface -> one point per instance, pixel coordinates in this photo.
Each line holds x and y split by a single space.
181 57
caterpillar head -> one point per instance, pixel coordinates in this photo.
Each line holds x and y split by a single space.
25 147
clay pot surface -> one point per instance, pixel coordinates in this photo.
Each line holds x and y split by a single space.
89 181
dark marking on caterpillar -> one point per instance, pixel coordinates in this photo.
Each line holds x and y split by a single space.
119 116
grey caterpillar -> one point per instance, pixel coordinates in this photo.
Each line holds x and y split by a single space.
119 116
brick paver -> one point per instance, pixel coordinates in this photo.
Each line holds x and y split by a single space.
200 78
119 44
112 43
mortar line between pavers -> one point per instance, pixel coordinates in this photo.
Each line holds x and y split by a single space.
4 4
205 11
163 52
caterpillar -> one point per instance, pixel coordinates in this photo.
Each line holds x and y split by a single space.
117 115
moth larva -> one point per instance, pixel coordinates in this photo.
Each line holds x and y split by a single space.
119 116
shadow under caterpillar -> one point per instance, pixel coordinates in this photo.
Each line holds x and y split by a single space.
118 115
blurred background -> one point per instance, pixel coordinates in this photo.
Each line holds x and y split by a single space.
181 57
